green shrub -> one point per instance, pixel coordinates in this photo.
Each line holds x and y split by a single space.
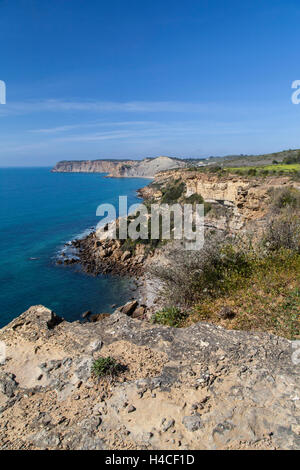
286 197
105 366
214 169
197 199
211 271
283 232
194 199
292 159
173 192
170 316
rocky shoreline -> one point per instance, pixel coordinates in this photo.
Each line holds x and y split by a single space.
107 257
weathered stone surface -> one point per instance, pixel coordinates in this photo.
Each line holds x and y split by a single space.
192 423
125 255
8 384
95 317
129 307
199 387
138 312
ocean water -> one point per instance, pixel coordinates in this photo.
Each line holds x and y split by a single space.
39 212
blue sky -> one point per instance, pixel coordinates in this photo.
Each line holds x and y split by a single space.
106 79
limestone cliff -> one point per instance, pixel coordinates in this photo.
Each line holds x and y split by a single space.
201 387
246 199
146 168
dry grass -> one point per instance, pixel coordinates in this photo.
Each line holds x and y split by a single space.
269 300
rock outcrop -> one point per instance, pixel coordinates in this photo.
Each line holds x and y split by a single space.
245 200
107 256
146 168
202 387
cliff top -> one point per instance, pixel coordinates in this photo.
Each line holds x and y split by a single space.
198 387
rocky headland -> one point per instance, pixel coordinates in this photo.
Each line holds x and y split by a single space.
146 168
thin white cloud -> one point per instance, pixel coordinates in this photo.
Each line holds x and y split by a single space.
28 107
135 132
70 127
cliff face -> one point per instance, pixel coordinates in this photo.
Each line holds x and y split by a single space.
201 387
246 199
132 168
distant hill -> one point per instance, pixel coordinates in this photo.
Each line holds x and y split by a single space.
150 166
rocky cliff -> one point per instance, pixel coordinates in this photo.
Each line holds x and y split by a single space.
245 199
146 168
201 387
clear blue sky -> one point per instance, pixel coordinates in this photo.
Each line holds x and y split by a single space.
127 78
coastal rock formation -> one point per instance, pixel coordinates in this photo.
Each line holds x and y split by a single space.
201 387
108 256
244 200
146 168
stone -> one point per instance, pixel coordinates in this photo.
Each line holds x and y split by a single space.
192 423
126 255
98 317
131 409
168 424
226 312
138 312
86 314
129 307
95 346
46 440
251 403
8 384
103 253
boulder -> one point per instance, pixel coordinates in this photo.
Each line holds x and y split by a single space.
129 308
103 253
98 317
125 255
86 314
138 312
192 423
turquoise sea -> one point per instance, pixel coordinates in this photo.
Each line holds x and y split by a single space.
39 212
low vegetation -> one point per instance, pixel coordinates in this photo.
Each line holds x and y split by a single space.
170 316
258 282
291 159
285 197
265 170
172 192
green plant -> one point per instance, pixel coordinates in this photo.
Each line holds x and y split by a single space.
173 192
211 271
105 366
292 159
285 197
170 316
283 232
197 199
194 199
